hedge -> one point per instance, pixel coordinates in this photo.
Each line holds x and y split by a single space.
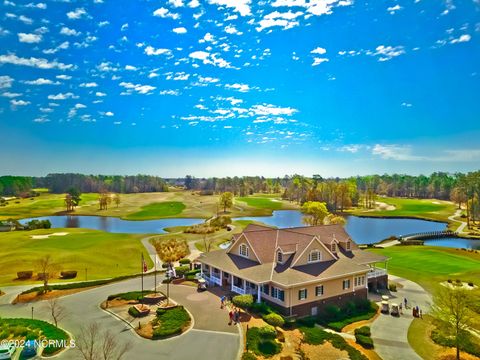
274 319
131 295
181 270
133 311
185 261
364 330
337 318
365 341
243 301
72 274
171 321
24 275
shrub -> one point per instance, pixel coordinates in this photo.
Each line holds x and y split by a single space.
364 330
131 295
181 270
332 312
274 319
68 274
41 276
185 261
24 275
261 308
268 331
221 221
392 287
365 341
449 281
133 311
314 335
171 321
243 301
308 321
248 356
262 344
364 310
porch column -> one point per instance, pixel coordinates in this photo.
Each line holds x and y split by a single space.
232 282
244 284
259 300
201 269
221 277
210 272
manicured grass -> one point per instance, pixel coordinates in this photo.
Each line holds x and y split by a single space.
103 254
261 202
27 329
171 322
418 208
157 210
430 265
142 206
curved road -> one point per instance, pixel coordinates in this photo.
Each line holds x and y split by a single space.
211 336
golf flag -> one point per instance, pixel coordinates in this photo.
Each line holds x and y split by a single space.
144 264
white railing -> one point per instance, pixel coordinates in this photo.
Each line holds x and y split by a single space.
206 277
215 280
376 273
238 290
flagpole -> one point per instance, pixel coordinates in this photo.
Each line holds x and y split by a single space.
155 274
142 275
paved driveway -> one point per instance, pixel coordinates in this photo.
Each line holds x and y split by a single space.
389 333
211 337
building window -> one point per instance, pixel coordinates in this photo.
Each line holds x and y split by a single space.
314 256
279 257
359 280
334 247
346 284
266 289
347 245
363 280
278 294
243 250
302 294
319 290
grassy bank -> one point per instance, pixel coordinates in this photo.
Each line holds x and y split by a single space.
428 265
104 255
146 206
430 209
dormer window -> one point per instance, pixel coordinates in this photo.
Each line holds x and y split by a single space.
334 247
314 256
243 250
279 257
347 246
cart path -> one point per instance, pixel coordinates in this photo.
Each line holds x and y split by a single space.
389 333
462 225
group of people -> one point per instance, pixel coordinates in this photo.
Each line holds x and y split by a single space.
416 311
234 312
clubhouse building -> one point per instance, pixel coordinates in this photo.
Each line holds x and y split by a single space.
299 270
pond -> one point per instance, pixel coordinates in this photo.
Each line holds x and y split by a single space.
362 230
116 225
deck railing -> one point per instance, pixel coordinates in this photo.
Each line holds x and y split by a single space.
376 273
238 290
216 280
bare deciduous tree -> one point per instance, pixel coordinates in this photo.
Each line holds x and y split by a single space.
57 311
207 243
46 270
94 344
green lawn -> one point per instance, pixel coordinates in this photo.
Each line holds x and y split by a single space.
261 202
430 265
157 210
104 254
418 208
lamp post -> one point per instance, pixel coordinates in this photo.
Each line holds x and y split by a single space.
32 312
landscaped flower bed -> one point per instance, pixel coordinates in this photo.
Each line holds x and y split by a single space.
170 321
27 329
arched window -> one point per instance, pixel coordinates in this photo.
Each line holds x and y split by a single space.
314 256
279 257
243 250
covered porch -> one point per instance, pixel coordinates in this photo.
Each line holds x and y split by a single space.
228 282
377 277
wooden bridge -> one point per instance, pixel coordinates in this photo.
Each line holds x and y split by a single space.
429 235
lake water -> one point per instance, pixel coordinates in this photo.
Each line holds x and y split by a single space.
362 230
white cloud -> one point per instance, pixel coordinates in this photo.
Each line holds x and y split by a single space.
393 9
69 32
461 38
394 152
6 81
25 20
238 87
170 92
269 109
130 68
63 46
100 94
150 50
386 53
193 4
141 89
318 50
318 61
211 59
106 66
80 106
124 27
10 95
61 96
29 38
4 32
42 81
165 13
41 6
89 85
314 7
153 74
108 113
180 30
176 3
14 102
103 23
33 62
63 77
76 14
285 20
353 148
241 6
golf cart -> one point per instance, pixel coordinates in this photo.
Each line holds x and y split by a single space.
395 310
202 284
385 309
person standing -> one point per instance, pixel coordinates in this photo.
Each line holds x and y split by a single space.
405 301
230 316
222 302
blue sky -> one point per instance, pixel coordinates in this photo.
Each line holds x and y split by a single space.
239 87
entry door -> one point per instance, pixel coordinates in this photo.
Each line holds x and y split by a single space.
314 310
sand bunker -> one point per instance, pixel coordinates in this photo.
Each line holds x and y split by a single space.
48 235
383 206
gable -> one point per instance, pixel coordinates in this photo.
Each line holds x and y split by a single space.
315 244
235 248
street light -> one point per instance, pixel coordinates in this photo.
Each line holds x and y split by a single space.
32 312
